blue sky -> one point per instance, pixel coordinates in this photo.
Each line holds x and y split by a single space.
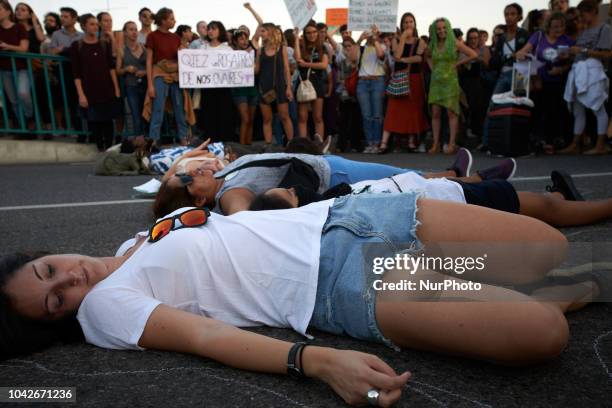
464 14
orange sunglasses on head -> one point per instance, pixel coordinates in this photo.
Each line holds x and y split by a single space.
193 218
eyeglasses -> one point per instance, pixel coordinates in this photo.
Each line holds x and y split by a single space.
193 218
310 32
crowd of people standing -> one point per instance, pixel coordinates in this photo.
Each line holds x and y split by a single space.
369 94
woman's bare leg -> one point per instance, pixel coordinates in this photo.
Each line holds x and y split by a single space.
519 249
283 114
555 210
303 119
317 117
266 115
514 330
436 124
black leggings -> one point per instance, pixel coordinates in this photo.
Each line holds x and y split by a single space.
102 133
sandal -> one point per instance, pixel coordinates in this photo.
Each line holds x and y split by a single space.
383 149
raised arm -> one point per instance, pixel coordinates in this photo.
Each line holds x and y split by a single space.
351 374
254 13
470 53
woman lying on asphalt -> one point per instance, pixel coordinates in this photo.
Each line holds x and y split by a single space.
562 206
199 276
234 188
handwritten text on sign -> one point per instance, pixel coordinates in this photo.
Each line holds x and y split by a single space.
301 11
364 13
216 69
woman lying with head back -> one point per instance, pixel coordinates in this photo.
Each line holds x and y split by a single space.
195 280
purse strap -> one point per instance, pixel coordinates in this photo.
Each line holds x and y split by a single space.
309 69
273 70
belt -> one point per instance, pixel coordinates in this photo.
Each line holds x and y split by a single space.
370 78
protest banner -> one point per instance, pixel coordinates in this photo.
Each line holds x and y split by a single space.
335 17
216 69
301 11
364 13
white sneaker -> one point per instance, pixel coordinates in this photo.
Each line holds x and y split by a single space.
422 148
368 150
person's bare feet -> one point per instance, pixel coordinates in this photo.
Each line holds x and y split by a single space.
451 149
435 149
571 149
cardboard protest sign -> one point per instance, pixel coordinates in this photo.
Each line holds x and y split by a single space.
216 69
301 11
335 17
364 13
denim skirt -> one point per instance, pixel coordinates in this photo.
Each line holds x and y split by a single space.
358 229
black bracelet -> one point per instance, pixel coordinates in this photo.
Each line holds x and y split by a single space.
301 354
292 369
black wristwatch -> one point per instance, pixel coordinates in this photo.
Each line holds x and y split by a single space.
292 368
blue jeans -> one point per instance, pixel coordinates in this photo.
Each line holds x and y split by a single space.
503 85
22 96
350 172
135 98
359 229
371 95
162 91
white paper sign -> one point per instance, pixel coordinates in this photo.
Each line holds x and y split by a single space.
301 11
216 69
364 13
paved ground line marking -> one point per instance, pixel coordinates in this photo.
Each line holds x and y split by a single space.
141 201
545 178
72 205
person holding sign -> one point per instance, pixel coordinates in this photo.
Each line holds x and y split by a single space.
444 88
216 114
311 56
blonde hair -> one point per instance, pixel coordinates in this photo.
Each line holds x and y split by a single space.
275 39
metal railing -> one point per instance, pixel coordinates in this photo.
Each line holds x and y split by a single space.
47 73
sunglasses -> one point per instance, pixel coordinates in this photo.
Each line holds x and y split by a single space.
185 179
193 218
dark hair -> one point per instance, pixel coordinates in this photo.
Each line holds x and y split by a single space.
30 22
7 6
264 202
236 35
56 17
222 31
556 16
571 16
470 31
457 32
416 32
588 6
318 44
321 26
181 29
483 32
102 14
289 37
349 40
20 335
517 7
302 145
170 199
84 18
343 28
142 10
162 14
73 13
533 20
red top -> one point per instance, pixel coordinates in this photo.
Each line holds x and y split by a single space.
164 46
13 36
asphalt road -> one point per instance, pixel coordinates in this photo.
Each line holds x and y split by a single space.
581 376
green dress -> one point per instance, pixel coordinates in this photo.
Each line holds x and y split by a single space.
444 86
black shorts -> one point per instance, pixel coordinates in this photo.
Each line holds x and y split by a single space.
496 194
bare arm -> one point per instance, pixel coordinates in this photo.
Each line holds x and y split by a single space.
119 65
486 57
200 151
254 13
349 373
40 35
288 90
22 47
523 52
151 89
296 48
470 53
236 200
113 74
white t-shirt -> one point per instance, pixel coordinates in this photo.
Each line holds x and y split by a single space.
437 189
371 65
249 269
509 49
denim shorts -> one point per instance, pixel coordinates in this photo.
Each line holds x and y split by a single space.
358 229
351 172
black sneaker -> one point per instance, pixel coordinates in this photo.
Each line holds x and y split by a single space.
505 170
463 163
564 184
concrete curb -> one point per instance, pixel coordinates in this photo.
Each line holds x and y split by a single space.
43 152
